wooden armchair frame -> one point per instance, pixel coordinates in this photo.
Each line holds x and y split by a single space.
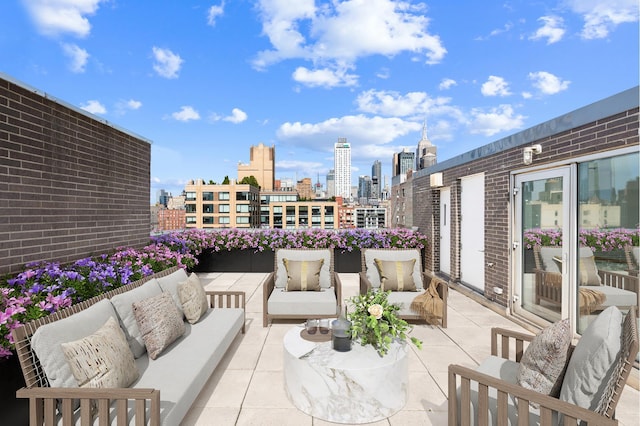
269 286
501 345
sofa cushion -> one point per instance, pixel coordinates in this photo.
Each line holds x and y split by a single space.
45 342
403 299
102 359
396 275
170 283
123 304
303 275
159 322
282 302
593 360
391 254
303 254
545 358
588 272
193 298
184 368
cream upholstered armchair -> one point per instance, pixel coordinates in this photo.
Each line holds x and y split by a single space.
303 285
420 280
582 382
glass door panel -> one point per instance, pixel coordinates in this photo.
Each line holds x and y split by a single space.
542 212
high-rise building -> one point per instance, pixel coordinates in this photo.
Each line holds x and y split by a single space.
305 189
426 153
364 189
376 180
331 184
261 166
162 197
403 162
342 168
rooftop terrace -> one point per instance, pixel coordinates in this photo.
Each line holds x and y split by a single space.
248 388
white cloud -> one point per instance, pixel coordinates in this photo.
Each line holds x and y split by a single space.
77 55
94 107
53 17
384 73
447 83
552 29
167 64
547 83
495 86
186 113
237 116
601 17
392 103
507 27
214 12
130 105
133 104
496 120
527 95
303 168
324 77
339 33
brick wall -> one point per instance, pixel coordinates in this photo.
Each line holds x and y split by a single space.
606 134
70 185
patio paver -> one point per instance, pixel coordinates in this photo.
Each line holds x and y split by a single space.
248 386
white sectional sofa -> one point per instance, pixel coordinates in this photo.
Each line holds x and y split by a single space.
165 387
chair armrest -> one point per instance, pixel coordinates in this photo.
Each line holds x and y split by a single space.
365 284
43 405
228 299
506 337
506 390
267 288
443 292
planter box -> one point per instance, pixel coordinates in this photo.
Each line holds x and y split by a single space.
235 261
347 262
15 411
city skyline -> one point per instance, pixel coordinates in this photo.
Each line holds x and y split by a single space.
207 80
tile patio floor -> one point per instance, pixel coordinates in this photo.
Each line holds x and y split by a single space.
248 388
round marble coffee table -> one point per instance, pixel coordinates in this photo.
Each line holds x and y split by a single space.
354 387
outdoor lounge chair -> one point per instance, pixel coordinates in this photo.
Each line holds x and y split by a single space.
285 295
618 289
370 279
596 371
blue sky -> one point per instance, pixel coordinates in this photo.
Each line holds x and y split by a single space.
205 80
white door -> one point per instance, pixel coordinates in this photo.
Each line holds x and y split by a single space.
445 230
472 231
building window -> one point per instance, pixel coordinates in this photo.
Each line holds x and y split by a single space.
207 208
243 196
223 219
190 196
223 196
207 220
223 208
190 208
191 219
207 196
242 208
242 219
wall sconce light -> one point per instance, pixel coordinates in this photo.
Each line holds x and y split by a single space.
527 155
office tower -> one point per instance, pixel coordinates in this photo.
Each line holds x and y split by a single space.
331 184
261 166
376 179
425 153
163 197
403 162
364 189
342 168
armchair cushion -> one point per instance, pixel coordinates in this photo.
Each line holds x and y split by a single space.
303 275
545 358
169 283
393 255
303 254
588 272
102 359
302 303
593 360
396 275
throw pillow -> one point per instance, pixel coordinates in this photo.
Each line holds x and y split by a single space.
588 271
193 298
159 322
545 358
593 360
396 275
303 275
102 359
